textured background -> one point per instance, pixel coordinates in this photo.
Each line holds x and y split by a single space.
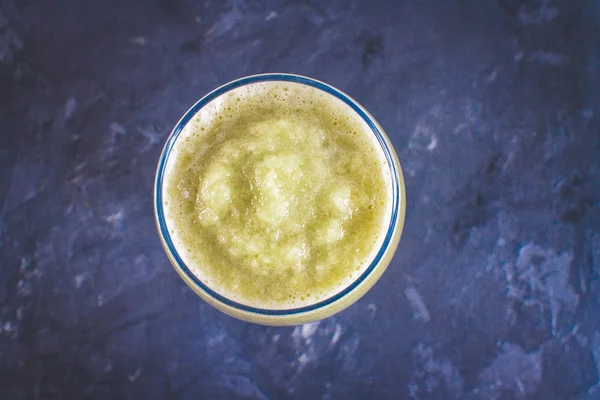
492 107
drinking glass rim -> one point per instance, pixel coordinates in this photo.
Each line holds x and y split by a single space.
277 77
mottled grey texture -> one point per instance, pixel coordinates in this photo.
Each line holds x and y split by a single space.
492 106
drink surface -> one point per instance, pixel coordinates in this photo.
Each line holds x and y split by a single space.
276 195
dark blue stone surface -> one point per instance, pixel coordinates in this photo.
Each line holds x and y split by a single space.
492 107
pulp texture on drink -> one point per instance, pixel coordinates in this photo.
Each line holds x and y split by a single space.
276 195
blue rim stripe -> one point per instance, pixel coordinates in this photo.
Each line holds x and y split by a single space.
266 78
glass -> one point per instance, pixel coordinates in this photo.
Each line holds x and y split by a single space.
321 309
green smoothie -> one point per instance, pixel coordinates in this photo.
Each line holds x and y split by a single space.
277 195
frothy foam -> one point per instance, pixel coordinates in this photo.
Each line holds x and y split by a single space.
279 169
